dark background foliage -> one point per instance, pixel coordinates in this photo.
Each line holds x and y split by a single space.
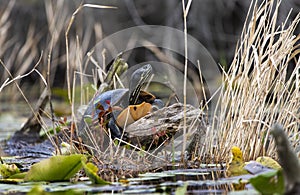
32 25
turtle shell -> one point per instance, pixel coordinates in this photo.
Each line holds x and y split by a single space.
119 98
114 101
103 102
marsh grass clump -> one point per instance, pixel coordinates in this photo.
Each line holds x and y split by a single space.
260 87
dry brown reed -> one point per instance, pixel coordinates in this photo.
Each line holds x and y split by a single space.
258 91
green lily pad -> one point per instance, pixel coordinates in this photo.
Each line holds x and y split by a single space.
7 170
56 168
182 189
269 183
19 176
91 171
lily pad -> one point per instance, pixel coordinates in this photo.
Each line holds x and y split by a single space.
56 168
268 162
255 167
269 183
181 189
7 170
91 171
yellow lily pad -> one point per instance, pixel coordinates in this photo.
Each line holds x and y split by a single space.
268 162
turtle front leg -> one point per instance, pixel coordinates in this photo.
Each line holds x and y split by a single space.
114 129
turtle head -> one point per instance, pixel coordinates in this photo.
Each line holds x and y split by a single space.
138 78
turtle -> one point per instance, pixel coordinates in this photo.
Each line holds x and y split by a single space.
120 107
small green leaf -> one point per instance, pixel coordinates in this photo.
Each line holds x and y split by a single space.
182 189
91 171
18 176
37 189
269 183
56 168
7 170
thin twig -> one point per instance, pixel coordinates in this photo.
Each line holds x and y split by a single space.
185 14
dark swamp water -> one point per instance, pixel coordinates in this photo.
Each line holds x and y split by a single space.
196 181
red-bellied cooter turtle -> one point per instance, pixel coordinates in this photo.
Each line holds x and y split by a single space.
119 107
